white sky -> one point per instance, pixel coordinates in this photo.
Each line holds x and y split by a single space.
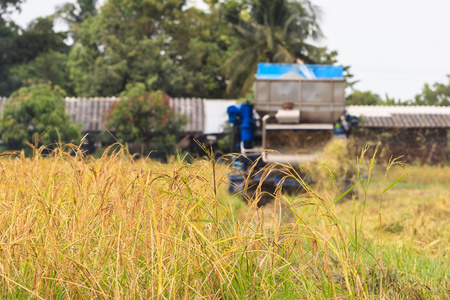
392 46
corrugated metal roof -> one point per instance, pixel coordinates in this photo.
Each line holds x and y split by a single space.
91 112
402 116
386 111
194 110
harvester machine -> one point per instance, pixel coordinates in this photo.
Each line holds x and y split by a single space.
297 110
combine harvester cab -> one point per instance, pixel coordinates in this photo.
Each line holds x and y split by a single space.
297 110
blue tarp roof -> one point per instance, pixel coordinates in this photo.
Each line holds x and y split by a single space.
275 71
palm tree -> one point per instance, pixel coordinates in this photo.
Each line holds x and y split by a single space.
277 31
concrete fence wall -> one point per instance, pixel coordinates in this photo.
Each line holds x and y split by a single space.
207 116
92 113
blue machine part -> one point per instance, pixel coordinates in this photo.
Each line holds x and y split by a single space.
233 114
338 129
242 115
247 122
275 71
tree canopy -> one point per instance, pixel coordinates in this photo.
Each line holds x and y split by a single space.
74 14
363 98
146 119
170 46
6 6
279 31
32 110
163 44
437 94
24 52
152 42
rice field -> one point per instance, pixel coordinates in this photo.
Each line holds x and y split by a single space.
75 227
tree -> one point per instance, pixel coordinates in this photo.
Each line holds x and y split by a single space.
363 98
47 67
74 14
438 94
146 119
153 42
272 31
39 37
9 33
30 111
20 48
5 5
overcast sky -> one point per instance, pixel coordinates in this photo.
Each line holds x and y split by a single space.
392 46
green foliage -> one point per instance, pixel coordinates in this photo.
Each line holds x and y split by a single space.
392 101
129 42
9 33
39 37
9 4
186 52
348 76
363 98
74 14
49 66
358 97
272 31
29 54
30 111
439 95
146 119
